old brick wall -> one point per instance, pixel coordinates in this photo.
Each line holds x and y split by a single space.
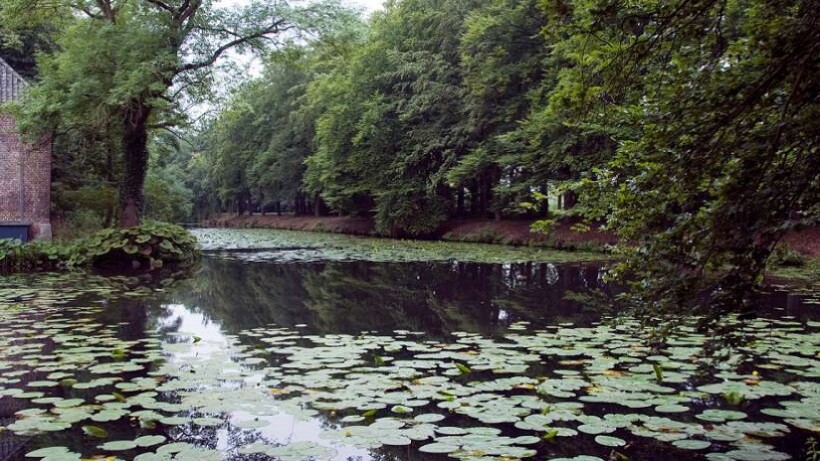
25 179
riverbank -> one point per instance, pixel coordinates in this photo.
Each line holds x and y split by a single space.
512 232
508 232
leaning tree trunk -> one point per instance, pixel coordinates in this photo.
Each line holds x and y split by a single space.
135 153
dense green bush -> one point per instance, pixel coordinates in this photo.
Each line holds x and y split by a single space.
80 223
35 256
786 257
166 197
102 199
147 247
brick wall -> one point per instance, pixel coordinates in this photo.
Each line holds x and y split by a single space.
31 164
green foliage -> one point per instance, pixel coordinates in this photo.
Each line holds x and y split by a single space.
84 210
166 196
543 226
152 245
689 128
98 199
34 256
716 167
786 257
79 224
148 247
122 68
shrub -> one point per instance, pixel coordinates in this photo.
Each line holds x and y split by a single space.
100 199
786 257
543 226
81 223
144 248
35 256
150 246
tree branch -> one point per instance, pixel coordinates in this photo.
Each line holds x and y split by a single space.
187 9
107 10
274 28
161 4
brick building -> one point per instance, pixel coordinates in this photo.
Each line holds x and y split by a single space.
25 168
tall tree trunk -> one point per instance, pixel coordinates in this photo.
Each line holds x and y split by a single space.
544 206
317 206
460 202
569 199
474 200
135 152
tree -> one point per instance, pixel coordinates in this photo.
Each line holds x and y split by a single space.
126 65
506 71
721 98
395 108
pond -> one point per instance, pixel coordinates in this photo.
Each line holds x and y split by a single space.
332 348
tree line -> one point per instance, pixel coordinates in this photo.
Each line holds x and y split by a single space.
413 117
690 128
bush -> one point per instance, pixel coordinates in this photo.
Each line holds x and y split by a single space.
150 246
35 256
543 226
786 257
144 248
102 199
80 223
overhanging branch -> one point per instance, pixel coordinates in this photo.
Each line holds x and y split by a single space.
161 5
276 27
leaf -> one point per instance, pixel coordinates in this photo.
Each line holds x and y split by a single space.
95 431
464 369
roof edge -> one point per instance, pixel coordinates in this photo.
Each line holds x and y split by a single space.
19 77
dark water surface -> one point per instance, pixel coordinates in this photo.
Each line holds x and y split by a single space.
378 360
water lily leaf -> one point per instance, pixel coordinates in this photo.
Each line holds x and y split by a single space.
594 429
149 440
45 452
429 418
609 441
95 431
118 445
464 369
689 444
439 448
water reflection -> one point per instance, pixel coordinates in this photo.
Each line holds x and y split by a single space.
350 297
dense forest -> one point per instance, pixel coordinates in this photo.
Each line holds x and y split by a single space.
690 128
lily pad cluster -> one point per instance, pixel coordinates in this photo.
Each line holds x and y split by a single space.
288 246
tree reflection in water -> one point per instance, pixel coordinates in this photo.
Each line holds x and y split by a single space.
350 297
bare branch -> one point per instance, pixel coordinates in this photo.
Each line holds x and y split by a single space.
161 4
187 9
107 10
276 27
